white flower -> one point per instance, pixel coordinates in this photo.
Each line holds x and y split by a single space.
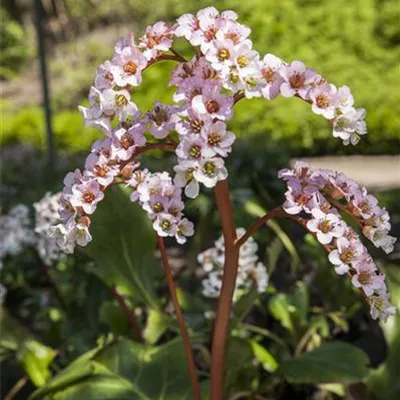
326 226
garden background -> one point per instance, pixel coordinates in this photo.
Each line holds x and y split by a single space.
356 43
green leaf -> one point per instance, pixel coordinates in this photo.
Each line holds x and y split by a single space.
36 359
334 362
266 359
300 300
281 309
123 370
157 324
111 314
123 247
244 305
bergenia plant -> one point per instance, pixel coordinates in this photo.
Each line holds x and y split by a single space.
224 70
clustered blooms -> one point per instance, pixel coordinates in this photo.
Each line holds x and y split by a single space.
46 216
15 232
225 69
251 272
320 194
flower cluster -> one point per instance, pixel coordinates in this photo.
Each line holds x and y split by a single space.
161 199
251 271
46 216
225 69
15 232
320 195
226 46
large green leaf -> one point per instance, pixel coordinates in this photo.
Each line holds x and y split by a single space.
123 370
123 247
334 362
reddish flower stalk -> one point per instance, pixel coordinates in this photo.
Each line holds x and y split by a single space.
128 313
228 287
181 320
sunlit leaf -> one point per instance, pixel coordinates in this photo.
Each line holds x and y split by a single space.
266 359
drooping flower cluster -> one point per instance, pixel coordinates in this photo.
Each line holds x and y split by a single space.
225 69
15 232
161 199
251 272
46 216
320 195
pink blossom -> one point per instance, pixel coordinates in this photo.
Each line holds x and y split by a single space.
165 225
86 196
323 99
297 79
97 167
380 306
192 122
211 171
326 226
127 66
125 141
269 68
221 54
162 119
347 252
192 147
212 102
367 278
158 38
218 140
118 103
104 76
184 229
349 125
185 177
364 204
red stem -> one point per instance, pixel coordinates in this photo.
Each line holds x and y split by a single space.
128 313
228 287
181 320
258 224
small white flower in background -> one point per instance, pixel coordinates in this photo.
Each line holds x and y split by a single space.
15 231
46 216
251 271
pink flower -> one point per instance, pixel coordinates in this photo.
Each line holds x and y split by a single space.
221 54
184 229
185 177
158 38
349 125
347 253
380 306
94 115
125 141
298 197
344 98
326 226
323 99
86 196
218 140
269 68
127 66
213 103
297 79
192 147
104 76
162 119
187 25
119 104
364 204
97 167
192 122
211 171
165 225
233 31
367 279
